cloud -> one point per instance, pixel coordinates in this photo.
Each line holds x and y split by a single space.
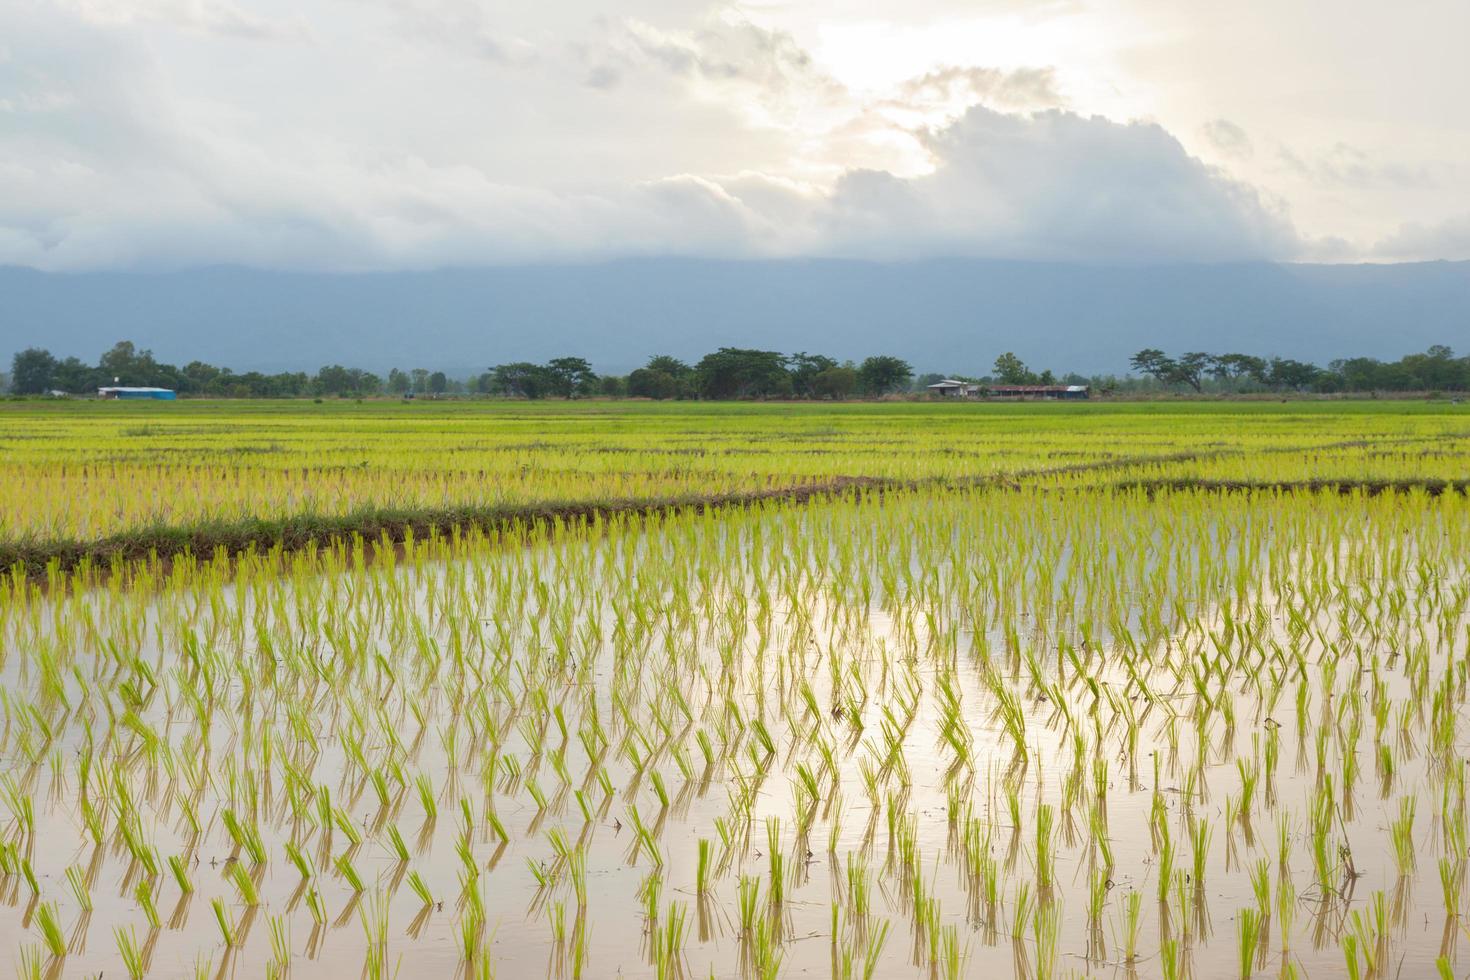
728 61
1228 139
1346 166
460 26
1058 185
1418 241
217 17
1021 88
106 163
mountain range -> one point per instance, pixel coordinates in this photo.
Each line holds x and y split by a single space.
945 315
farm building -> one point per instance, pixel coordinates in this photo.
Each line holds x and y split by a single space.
950 388
134 394
1058 392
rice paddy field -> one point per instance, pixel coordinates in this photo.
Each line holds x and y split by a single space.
734 690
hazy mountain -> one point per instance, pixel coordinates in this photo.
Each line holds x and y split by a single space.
949 315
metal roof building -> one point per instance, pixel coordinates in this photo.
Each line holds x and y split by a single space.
136 394
1063 392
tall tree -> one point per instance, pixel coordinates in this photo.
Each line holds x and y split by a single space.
1011 370
334 379
734 372
1233 367
32 371
646 382
1156 364
669 365
836 383
571 376
883 374
1295 375
521 379
804 368
1190 369
128 365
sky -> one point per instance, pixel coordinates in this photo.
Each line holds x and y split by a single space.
350 135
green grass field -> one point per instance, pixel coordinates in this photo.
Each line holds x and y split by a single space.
79 478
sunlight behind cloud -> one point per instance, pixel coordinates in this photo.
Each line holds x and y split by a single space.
415 132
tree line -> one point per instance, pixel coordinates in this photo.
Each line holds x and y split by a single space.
734 373
728 373
1437 369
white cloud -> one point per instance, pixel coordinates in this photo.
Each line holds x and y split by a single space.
1446 239
1343 165
219 17
1057 185
433 132
1228 139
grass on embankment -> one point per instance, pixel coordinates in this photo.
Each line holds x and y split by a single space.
41 558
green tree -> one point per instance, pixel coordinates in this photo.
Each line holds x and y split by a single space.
334 379
883 374
669 365
203 377
570 376
438 383
1190 369
1290 374
1011 370
1156 364
835 383
1236 367
32 371
646 382
521 379
399 383
1437 369
804 368
128 365
734 372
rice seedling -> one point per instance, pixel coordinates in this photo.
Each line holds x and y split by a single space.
349 874
130 953
1132 921
50 929
1452 884
1045 859
77 882
144 894
1248 930
1401 832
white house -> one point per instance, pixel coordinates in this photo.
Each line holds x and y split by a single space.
950 388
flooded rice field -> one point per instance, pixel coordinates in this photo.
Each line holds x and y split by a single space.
1041 734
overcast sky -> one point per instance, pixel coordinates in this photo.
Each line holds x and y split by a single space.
371 134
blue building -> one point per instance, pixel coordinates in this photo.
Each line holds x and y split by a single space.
135 394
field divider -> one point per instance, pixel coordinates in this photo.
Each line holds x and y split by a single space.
1346 488
47 559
